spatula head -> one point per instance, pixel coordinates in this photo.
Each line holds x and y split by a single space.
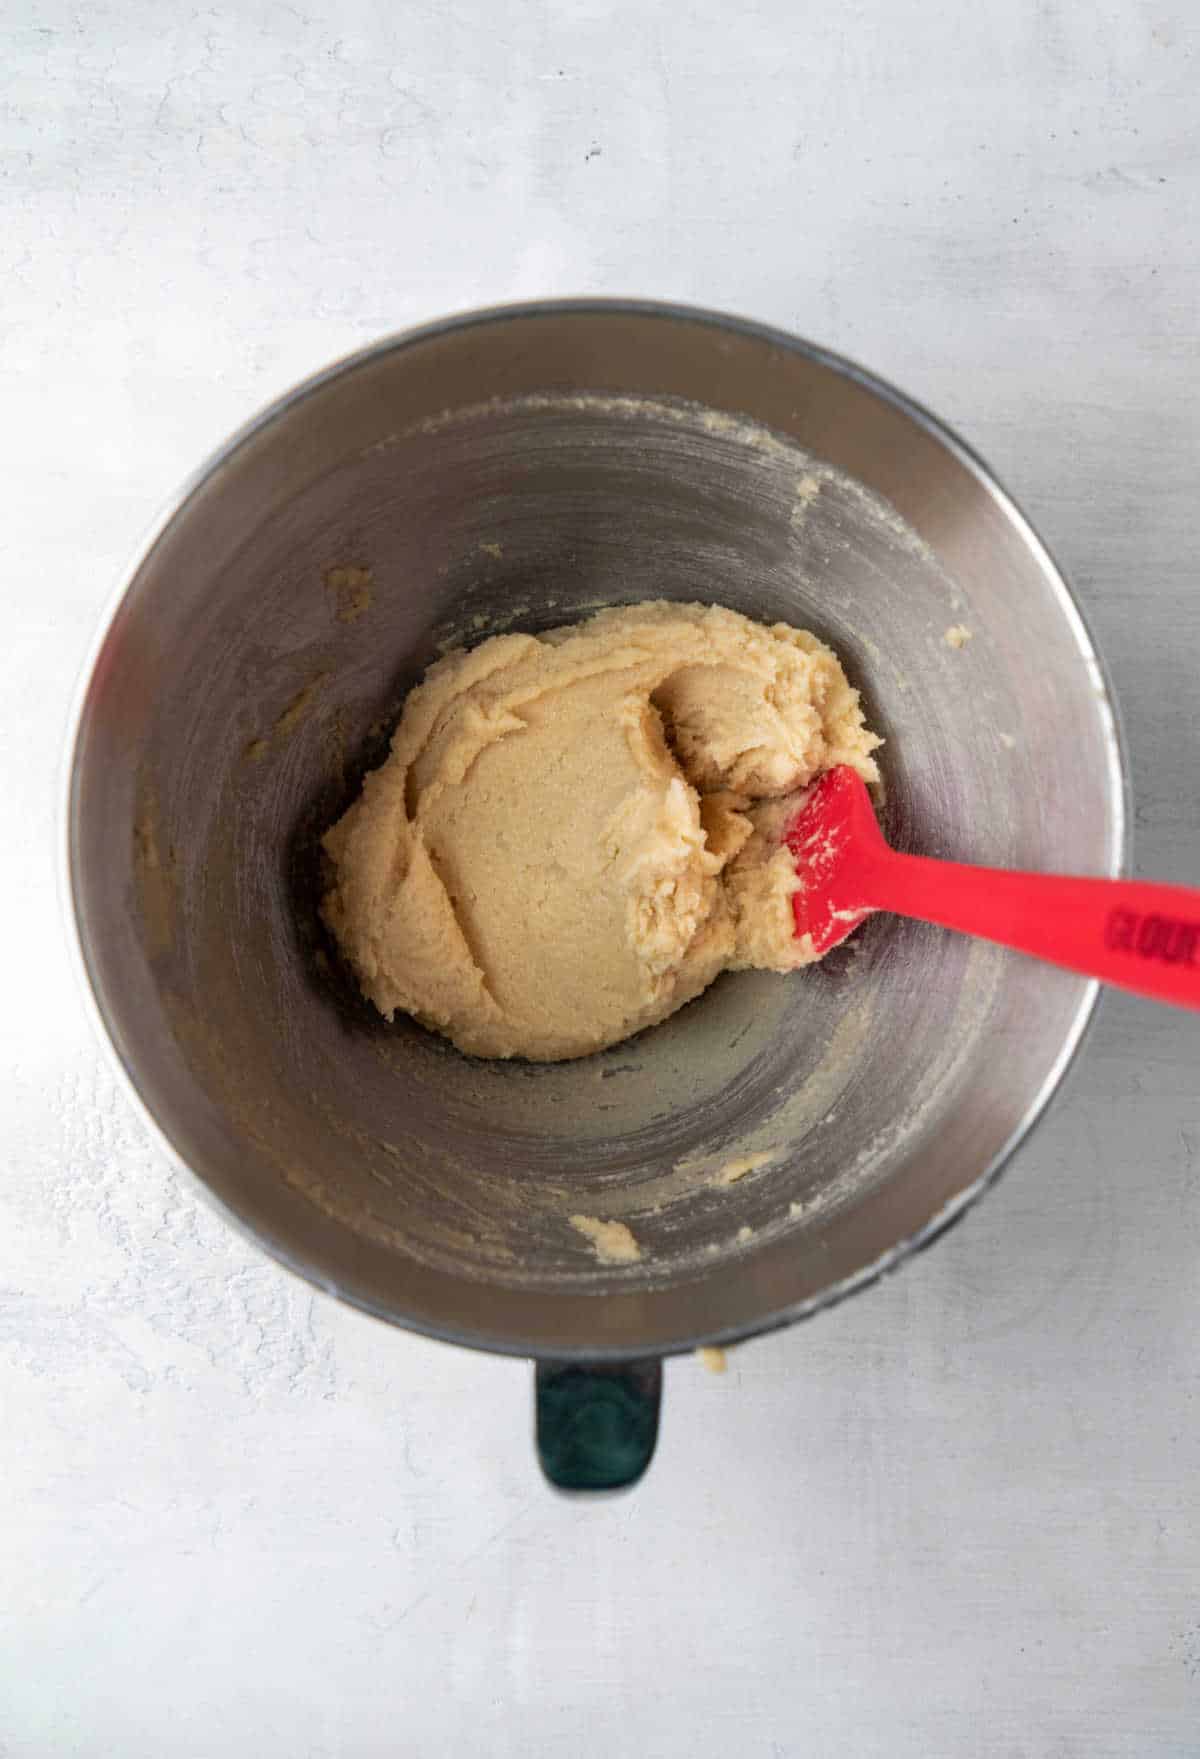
836 842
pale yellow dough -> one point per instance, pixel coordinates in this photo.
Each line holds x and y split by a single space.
576 832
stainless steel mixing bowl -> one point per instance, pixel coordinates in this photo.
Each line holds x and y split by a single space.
517 468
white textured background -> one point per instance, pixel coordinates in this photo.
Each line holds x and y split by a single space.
957 1516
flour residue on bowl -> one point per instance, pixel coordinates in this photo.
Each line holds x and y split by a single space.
292 716
729 1171
351 588
156 874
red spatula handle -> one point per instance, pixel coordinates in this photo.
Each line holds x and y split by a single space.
1132 933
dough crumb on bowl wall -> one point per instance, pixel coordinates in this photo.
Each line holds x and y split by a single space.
612 1242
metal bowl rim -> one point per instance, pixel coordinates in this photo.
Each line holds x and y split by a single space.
1119 793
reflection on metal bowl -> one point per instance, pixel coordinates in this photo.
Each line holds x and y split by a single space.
516 469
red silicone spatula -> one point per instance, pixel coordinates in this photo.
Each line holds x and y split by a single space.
1133 933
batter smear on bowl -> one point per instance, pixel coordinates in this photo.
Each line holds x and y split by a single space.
577 831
